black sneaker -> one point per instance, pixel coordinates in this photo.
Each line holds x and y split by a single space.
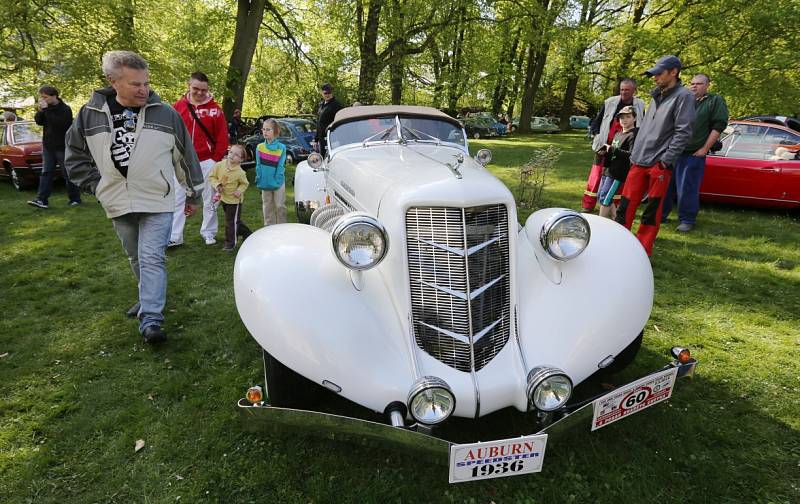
38 203
153 334
133 311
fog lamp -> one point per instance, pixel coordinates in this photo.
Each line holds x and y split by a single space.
315 160
484 157
549 388
431 401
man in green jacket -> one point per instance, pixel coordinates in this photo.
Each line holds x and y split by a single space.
711 119
124 147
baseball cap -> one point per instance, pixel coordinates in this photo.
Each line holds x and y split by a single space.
326 87
665 63
627 109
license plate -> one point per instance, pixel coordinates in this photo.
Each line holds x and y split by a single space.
633 398
497 459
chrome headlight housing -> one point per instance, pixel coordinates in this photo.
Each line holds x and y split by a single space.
549 388
359 241
431 401
565 235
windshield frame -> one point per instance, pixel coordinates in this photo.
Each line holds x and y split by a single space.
401 138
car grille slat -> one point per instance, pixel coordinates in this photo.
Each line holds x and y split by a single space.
459 279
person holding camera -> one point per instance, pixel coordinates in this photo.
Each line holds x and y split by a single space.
56 117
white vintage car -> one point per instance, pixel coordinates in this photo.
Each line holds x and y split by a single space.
410 288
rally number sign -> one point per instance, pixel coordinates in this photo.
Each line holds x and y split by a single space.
633 398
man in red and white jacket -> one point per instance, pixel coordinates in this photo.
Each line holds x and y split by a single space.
208 130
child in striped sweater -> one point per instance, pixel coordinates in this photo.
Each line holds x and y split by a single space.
270 174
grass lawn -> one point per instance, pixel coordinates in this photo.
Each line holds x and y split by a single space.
78 388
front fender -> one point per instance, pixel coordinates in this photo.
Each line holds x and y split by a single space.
309 191
300 304
574 314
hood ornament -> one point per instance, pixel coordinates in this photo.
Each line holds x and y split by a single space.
454 167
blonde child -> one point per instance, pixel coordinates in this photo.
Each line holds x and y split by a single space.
270 174
230 183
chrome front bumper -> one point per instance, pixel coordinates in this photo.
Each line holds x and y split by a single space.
262 416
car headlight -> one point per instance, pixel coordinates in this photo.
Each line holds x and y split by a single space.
359 241
565 235
549 388
431 401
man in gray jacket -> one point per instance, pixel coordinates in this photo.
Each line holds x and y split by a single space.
124 147
663 135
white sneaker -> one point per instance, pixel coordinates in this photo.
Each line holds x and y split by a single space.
210 240
174 243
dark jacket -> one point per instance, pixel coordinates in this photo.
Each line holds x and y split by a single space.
617 161
56 120
327 111
666 128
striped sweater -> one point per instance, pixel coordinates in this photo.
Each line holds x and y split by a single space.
270 170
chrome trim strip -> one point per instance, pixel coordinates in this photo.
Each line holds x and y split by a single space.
473 374
749 197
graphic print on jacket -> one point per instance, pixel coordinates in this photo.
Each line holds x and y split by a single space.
269 165
123 137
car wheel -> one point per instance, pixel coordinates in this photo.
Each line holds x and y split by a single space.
626 356
476 135
288 389
17 181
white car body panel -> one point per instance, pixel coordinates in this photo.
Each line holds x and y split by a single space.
302 305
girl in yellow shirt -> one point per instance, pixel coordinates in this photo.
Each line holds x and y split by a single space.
230 182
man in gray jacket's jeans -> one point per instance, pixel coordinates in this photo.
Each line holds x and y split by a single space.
663 134
124 147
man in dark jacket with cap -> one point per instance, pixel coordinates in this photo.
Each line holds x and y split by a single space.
327 111
663 134
56 117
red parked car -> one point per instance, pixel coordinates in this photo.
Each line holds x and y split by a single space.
758 165
21 153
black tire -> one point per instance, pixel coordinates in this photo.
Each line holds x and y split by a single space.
19 183
626 356
288 389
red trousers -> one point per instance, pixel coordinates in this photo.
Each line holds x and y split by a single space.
650 180
592 186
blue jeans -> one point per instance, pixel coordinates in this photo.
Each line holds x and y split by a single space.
144 237
685 186
51 157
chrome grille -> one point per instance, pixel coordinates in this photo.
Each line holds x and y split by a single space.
460 290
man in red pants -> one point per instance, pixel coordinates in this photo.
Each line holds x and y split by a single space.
663 135
604 126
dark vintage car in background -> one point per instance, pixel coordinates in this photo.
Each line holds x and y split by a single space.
21 153
757 165
579 122
296 134
477 128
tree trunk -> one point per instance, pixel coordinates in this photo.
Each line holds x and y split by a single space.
504 68
370 66
126 33
629 46
396 63
587 16
455 85
249 14
512 97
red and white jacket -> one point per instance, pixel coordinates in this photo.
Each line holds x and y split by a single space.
211 115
